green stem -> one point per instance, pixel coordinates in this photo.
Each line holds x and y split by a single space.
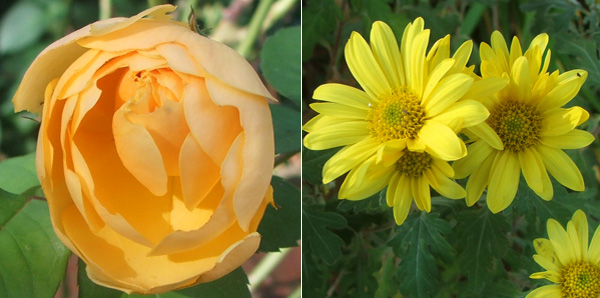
105 9
254 27
265 267
279 9
296 293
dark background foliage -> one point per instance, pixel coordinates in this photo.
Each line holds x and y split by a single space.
354 249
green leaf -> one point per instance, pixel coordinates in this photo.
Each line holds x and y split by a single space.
287 131
316 234
561 207
372 203
312 164
584 53
501 289
22 25
419 240
387 279
280 62
33 261
319 18
483 239
234 284
18 174
281 228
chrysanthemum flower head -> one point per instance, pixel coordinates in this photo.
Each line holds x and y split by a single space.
401 128
570 264
527 127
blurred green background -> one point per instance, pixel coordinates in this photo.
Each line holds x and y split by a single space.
28 26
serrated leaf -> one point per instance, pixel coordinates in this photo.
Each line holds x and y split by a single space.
316 235
32 260
21 26
319 19
234 284
18 174
561 207
363 264
281 228
280 62
484 237
584 53
287 129
418 242
373 202
501 289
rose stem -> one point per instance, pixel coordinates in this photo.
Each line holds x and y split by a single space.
254 28
105 9
265 267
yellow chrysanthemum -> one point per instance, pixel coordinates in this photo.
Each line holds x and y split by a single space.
527 128
408 115
569 262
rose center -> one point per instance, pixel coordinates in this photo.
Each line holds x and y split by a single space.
413 164
517 124
580 280
398 115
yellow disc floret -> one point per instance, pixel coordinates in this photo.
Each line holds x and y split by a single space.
398 115
413 164
518 124
580 280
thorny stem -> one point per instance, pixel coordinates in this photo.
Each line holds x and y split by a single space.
254 28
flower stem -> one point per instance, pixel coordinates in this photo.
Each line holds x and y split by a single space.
105 9
296 293
265 267
279 9
254 27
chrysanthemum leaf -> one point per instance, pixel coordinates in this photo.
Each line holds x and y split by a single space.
316 235
418 242
312 164
482 239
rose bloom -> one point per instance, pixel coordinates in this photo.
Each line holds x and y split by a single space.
155 151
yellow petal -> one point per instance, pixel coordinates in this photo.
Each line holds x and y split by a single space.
386 52
477 153
360 184
343 94
447 92
552 276
580 225
436 76
347 133
567 86
561 167
560 121
348 158
504 181
339 110
549 291
594 249
421 192
479 180
465 113
485 87
561 242
442 141
402 199
573 139
364 67
444 185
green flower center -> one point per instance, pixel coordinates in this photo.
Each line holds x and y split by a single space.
517 124
413 164
398 115
580 280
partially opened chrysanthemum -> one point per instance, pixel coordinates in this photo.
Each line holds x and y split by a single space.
527 128
402 127
570 264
